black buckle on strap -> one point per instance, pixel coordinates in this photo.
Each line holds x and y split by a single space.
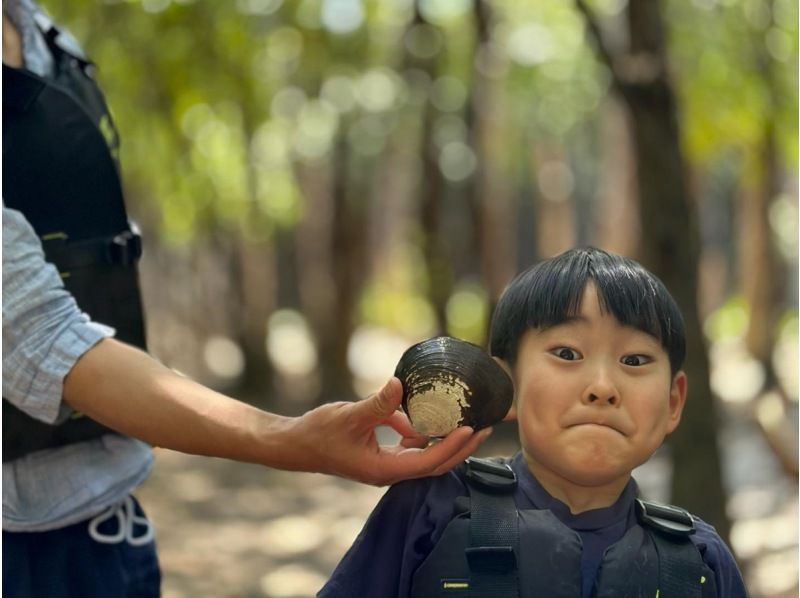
125 248
665 518
491 559
491 476
122 249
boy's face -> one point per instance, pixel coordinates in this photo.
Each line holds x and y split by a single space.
595 399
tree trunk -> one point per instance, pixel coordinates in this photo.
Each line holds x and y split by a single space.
431 198
616 220
491 200
256 285
670 243
312 240
670 248
760 276
349 265
432 189
257 282
333 266
555 209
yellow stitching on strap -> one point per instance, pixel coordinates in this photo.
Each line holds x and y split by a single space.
56 235
455 585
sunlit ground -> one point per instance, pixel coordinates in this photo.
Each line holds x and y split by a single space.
227 529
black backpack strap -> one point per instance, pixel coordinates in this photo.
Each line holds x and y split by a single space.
680 564
493 531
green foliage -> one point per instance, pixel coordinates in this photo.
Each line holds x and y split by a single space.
220 103
736 65
788 326
729 321
468 312
396 299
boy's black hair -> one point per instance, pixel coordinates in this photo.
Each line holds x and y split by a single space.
550 292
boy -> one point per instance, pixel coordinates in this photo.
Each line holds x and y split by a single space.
595 345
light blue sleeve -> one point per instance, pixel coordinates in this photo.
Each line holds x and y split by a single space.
44 331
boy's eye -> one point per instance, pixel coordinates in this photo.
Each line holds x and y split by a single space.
566 353
636 360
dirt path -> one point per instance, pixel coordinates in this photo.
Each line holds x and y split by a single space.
226 529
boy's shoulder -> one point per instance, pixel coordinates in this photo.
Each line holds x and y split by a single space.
706 531
429 503
710 543
434 494
450 484
719 558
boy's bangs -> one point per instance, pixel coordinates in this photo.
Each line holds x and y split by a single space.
550 294
635 301
554 293
624 290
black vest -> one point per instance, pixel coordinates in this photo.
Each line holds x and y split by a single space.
60 170
490 549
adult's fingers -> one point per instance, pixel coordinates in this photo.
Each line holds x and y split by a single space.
511 416
472 444
400 424
375 408
418 442
435 459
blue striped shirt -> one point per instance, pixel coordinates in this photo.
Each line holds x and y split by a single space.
44 334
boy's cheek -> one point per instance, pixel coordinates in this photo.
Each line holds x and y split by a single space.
510 371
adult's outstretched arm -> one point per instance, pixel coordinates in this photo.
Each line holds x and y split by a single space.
129 391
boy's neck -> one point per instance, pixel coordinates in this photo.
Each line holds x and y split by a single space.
578 499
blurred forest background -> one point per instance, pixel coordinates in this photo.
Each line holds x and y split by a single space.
321 183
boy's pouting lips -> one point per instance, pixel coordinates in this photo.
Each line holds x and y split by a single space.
595 399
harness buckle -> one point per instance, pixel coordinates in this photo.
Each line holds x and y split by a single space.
665 518
491 476
491 559
125 248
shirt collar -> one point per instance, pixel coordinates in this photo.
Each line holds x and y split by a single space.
35 53
534 494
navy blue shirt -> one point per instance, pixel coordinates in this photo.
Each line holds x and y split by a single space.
411 517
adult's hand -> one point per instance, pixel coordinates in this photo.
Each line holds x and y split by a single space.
339 438
129 391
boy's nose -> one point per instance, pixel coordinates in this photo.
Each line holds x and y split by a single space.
601 390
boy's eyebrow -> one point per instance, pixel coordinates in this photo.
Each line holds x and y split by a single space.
567 321
576 318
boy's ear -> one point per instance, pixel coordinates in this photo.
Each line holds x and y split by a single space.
505 365
512 412
677 399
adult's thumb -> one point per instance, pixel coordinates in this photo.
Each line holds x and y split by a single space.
386 401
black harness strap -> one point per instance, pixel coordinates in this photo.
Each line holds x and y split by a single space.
680 563
680 568
123 249
493 531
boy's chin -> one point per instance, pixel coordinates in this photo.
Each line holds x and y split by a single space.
587 474
598 479
596 472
